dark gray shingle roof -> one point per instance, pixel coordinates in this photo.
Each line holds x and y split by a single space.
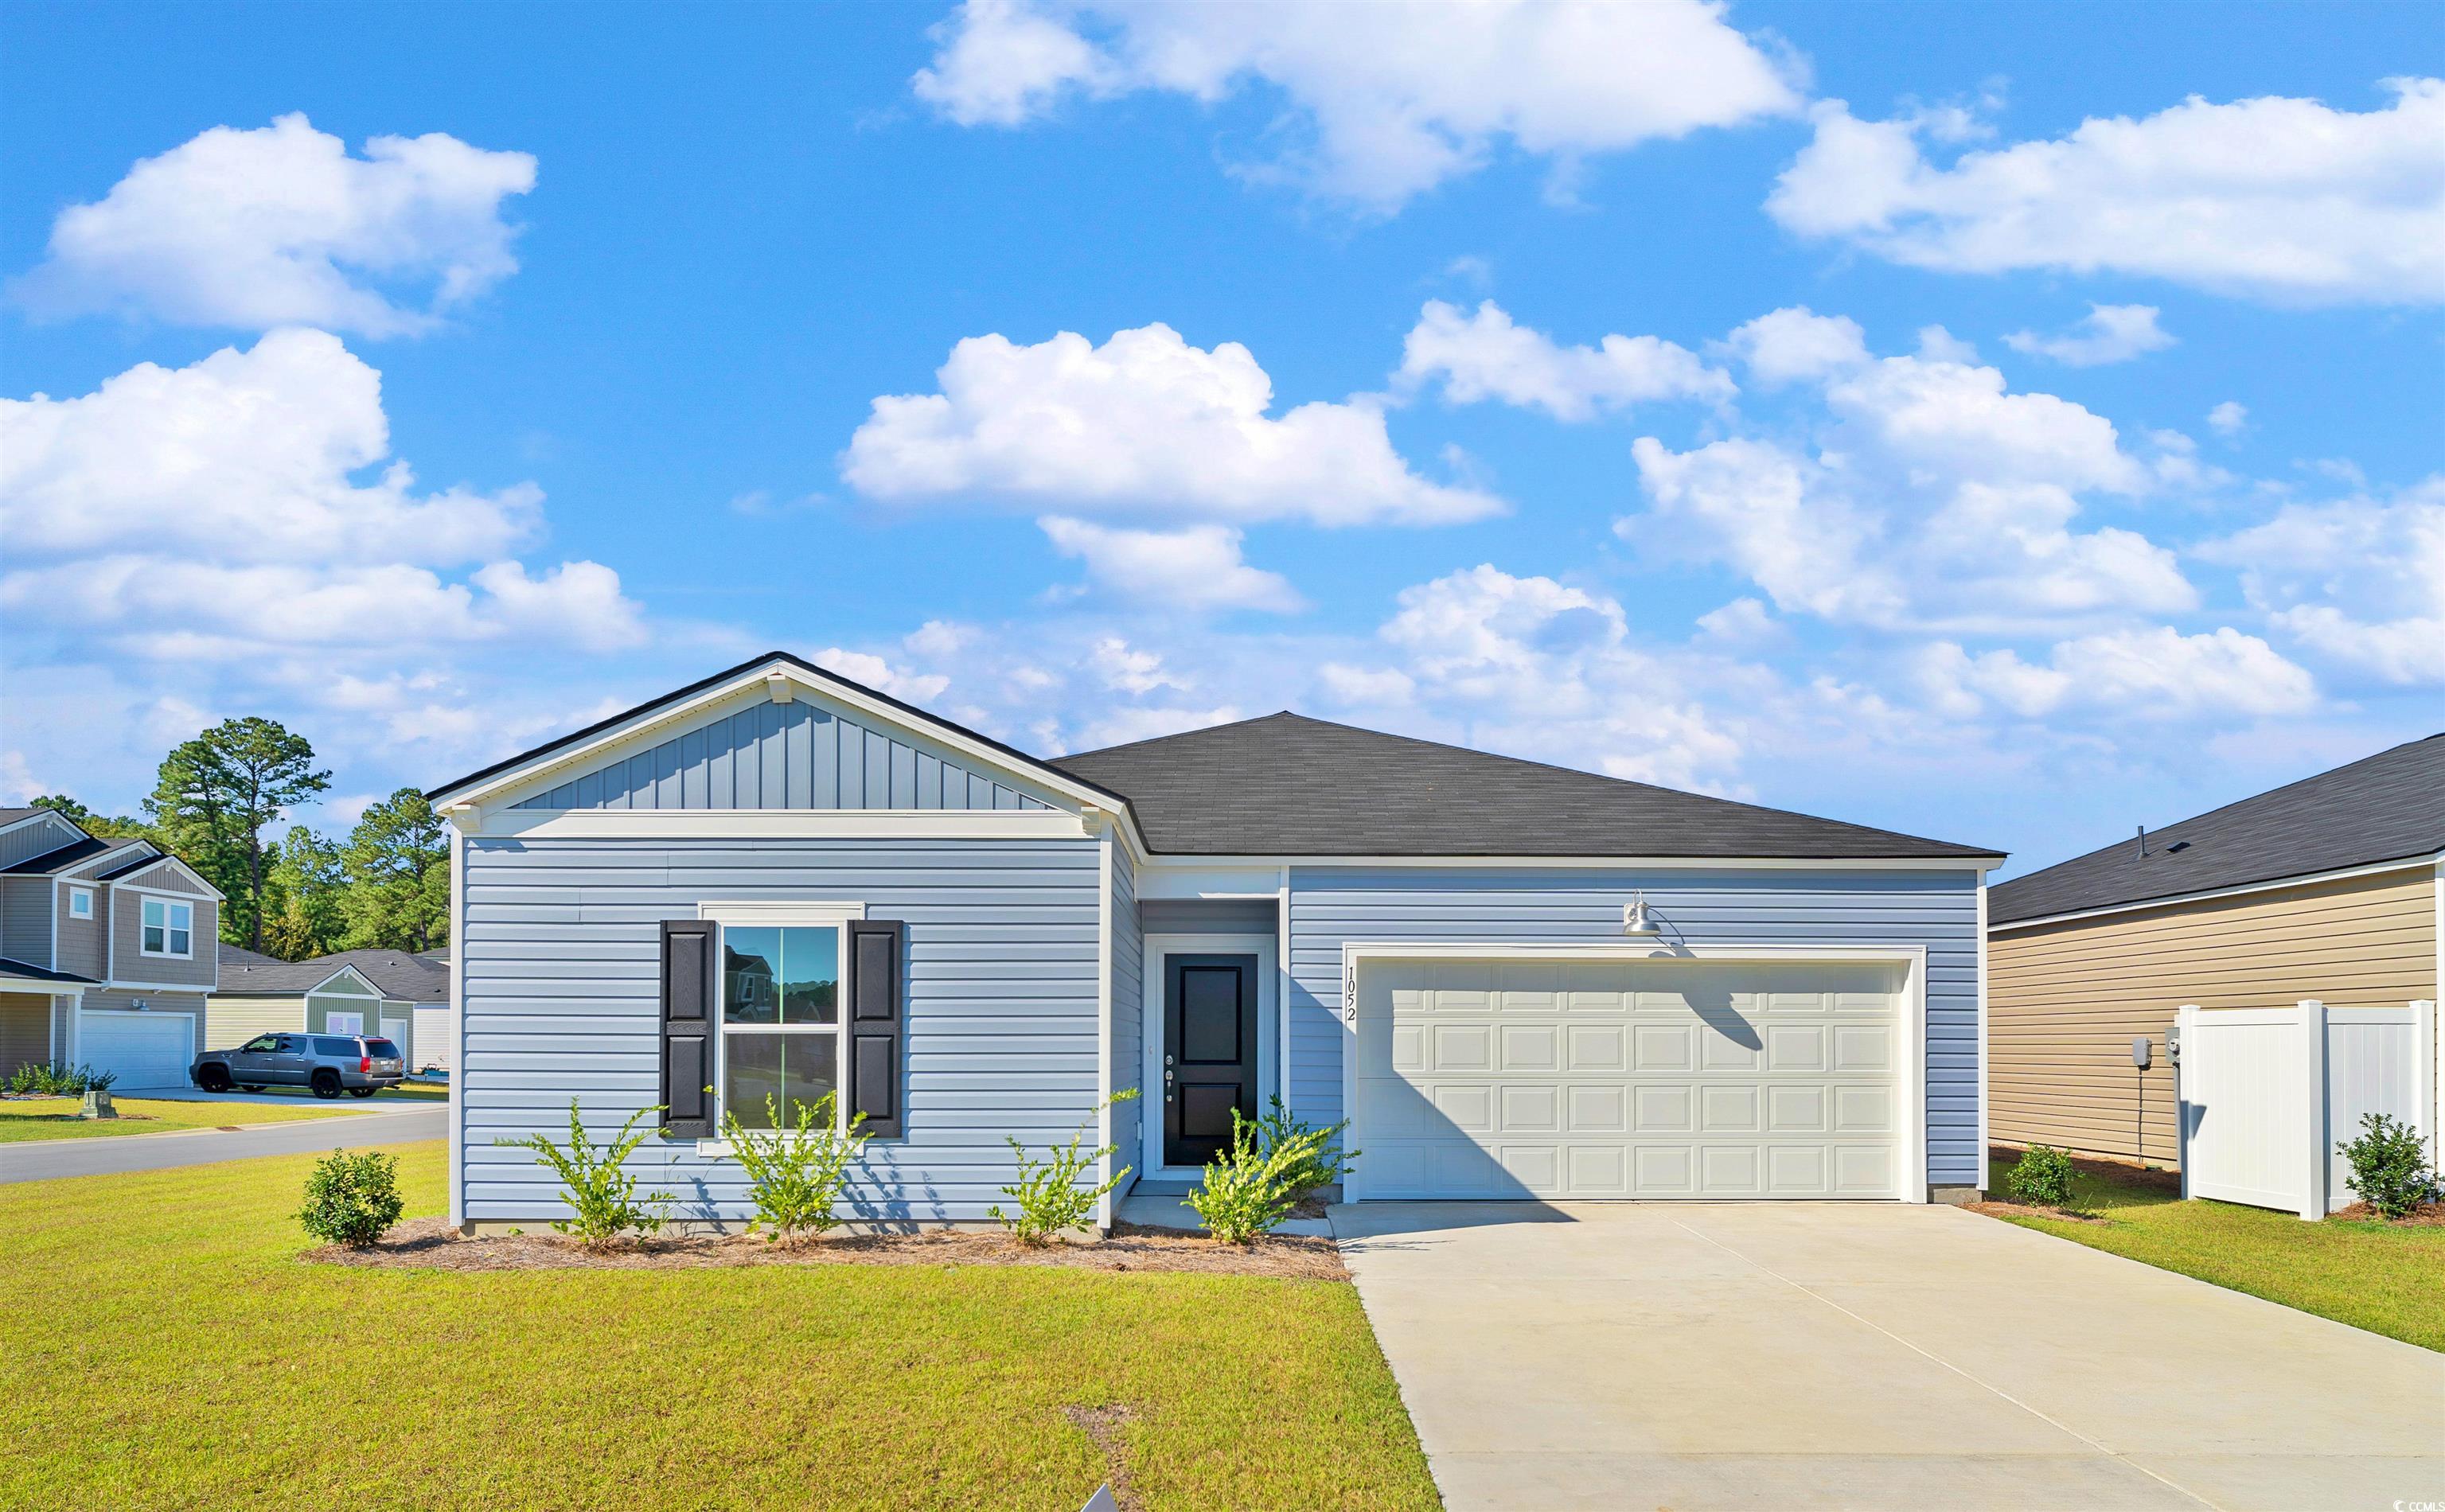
8 816
20 968
396 973
64 857
1289 785
2383 808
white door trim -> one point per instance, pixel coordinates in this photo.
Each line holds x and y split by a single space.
1909 1076
1150 979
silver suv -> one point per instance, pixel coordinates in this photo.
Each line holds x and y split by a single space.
359 1065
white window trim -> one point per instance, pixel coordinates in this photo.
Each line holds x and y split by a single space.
79 894
145 900
1272 1074
761 914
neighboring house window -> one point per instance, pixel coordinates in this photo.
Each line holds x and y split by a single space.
780 1020
340 1023
169 928
80 902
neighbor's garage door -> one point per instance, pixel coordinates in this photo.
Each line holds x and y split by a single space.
1628 1080
145 1049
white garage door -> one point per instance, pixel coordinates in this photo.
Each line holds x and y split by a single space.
146 1049
1629 1079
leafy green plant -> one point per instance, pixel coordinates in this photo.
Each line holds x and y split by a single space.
1047 1193
1250 1187
58 1079
594 1183
1323 1162
794 1173
351 1199
2389 1166
2043 1178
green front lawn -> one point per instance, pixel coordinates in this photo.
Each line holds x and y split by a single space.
166 1349
2388 1279
56 1117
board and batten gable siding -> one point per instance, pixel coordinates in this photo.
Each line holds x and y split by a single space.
560 952
25 920
2064 1000
799 754
1331 907
130 964
36 838
1128 1007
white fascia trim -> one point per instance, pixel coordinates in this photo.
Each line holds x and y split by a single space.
806 824
115 985
1980 863
755 683
106 857
38 986
1909 1076
363 980
2306 879
184 870
749 912
41 816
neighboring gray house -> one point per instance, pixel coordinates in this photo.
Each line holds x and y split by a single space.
350 992
107 949
1514 979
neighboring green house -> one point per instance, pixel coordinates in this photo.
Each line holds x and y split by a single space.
352 992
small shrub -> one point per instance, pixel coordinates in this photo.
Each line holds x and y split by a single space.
1047 1193
1325 1163
794 1174
2043 1178
1251 1188
351 1199
58 1079
2389 1166
595 1184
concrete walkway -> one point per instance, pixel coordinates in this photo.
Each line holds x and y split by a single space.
1842 1356
110 1154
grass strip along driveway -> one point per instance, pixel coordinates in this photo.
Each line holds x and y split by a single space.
2388 1279
56 1117
167 1347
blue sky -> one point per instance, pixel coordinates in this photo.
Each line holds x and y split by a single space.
1918 415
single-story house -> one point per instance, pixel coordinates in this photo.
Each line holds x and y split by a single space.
349 992
1512 979
106 951
2330 888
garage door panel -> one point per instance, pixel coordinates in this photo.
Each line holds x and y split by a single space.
144 1048
1628 1080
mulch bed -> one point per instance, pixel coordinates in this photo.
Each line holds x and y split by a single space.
2424 1215
432 1243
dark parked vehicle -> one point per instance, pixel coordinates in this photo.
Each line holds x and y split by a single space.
327 1065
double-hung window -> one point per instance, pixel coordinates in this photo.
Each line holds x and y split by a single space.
781 1021
169 928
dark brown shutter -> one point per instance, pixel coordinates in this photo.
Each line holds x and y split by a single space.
878 952
688 1026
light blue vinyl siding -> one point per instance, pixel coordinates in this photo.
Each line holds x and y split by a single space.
799 754
1939 910
561 946
1128 1011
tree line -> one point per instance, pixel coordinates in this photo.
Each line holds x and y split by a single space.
385 885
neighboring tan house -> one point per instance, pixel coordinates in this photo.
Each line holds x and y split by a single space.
350 992
106 951
1513 980
2330 888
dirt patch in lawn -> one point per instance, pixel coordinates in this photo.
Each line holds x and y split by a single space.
2024 1210
2426 1214
1102 1426
432 1243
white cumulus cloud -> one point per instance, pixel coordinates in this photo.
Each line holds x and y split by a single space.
1145 425
2152 674
1194 569
1796 343
2361 581
2228 418
280 226
1486 355
2109 333
2286 200
1386 102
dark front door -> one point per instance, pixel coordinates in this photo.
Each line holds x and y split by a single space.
1209 1052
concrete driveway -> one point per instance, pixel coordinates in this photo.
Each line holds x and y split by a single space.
1842 1356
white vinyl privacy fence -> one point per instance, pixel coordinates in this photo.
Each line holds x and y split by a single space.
2268 1093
